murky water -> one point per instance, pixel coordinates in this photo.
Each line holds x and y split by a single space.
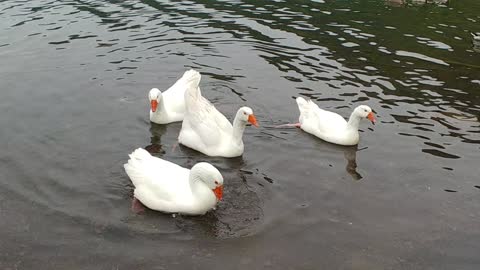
74 78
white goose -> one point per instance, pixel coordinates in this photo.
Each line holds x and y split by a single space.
169 106
164 186
207 130
330 126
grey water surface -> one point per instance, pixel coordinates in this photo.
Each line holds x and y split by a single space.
74 77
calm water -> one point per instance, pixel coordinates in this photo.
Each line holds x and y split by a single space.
74 77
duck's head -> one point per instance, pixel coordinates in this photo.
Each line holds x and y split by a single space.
363 111
154 96
245 114
210 176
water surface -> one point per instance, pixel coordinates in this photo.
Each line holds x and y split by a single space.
74 81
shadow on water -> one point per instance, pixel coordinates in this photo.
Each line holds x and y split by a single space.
476 42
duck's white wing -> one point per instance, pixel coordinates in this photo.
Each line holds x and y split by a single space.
165 180
324 121
204 119
220 120
330 121
306 108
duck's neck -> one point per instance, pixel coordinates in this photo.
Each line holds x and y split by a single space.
161 108
353 121
198 188
238 129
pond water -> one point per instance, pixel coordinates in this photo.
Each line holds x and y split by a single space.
74 78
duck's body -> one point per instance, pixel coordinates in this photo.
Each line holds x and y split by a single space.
330 126
169 106
208 131
164 186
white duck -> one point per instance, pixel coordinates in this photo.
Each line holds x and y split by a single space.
207 130
330 126
164 186
169 106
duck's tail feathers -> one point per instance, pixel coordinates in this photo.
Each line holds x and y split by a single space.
140 154
135 164
303 104
192 78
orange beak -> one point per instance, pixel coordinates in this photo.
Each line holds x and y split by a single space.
252 120
218 191
154 105
371 117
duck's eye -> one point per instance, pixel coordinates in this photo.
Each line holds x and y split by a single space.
216 182
245 113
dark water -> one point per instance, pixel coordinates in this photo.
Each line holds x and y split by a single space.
74 77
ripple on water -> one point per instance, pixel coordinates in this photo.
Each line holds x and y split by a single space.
350 44
422 57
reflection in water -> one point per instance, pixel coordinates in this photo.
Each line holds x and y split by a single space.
155 146
350 154
422 130
476 42
414 2
395 3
